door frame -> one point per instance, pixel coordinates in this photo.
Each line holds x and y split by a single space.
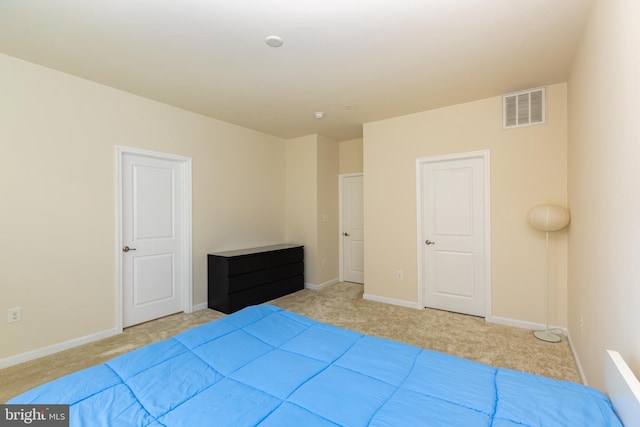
186 232
484 155
341 178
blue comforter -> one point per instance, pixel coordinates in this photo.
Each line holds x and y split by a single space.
269 367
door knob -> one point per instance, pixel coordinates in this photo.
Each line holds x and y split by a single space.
429 242
346 234
127 249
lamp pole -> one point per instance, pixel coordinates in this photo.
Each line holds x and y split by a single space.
547 335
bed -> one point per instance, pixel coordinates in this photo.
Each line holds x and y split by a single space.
269 367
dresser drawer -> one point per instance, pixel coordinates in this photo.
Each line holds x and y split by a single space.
264 293
254 279
266 260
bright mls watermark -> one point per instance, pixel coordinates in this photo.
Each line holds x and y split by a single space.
34 415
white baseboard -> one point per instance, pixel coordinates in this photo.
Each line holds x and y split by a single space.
55 348
522 324
198 307
583 377
315 287
393 301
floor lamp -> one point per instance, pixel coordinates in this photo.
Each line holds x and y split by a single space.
548 218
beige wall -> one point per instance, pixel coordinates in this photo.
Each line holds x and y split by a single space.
302 200
351 156
528 167
57 196
312 204
604 189
328 220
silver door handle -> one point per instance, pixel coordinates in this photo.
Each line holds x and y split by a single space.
127 249
346 234
429 242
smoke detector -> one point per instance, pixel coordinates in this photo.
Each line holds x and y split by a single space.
274 41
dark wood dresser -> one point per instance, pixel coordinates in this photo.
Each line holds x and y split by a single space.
251 276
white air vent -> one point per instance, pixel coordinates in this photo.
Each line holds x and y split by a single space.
523 108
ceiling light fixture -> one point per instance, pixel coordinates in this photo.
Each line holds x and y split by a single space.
319 115
274 41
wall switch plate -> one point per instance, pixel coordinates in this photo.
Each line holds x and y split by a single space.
14 315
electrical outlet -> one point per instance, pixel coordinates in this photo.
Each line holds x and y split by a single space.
14 315
399 275
581 324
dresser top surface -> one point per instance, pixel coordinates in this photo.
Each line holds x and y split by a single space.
251 251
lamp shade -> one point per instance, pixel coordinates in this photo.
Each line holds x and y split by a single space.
548 217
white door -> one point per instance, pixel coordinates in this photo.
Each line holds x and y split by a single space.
454 232
153 199
353 229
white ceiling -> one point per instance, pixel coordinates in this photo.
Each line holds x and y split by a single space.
385 58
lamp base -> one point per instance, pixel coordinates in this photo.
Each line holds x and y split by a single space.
547 336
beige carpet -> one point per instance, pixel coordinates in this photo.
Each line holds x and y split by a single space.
341 305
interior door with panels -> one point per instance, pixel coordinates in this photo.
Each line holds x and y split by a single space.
454 241
353 228
153 240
